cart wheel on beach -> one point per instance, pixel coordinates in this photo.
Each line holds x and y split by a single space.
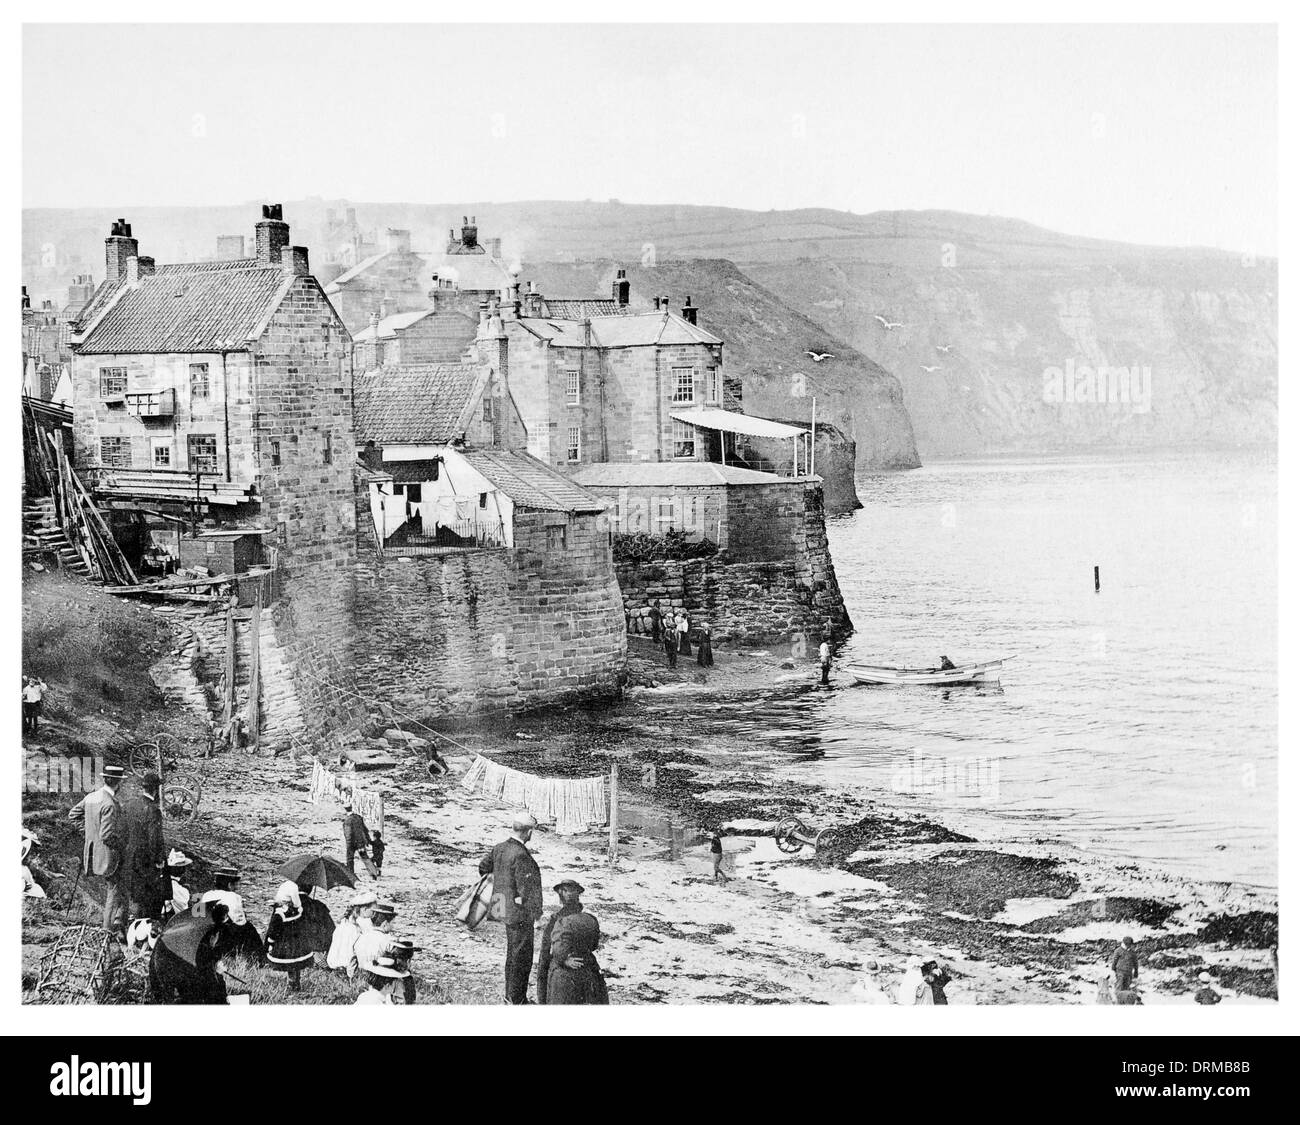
179 803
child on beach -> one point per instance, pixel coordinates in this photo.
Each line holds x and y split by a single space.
377 852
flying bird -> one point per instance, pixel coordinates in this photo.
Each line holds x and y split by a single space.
945 348
929 370
889 323
817 357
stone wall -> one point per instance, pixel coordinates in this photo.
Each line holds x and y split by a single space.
748 602
487 630
304 449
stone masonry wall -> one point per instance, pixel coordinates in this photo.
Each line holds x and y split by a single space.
475 631
748 602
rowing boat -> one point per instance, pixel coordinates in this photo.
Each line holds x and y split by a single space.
988 672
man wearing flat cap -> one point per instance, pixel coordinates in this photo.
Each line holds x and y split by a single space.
516 901
102 854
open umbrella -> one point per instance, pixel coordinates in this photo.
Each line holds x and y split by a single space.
317 870
185 934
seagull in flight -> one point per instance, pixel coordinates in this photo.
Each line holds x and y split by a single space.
945 348
817 357
929 370
889 323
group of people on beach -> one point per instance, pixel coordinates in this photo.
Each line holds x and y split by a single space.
567 970
923 982
673 631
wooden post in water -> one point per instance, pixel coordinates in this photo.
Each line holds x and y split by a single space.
255 672
613 813
1096 579
230 665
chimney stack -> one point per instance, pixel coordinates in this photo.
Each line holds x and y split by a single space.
469 232
622 289
293 259
271 235
666 304
494 247
118 247
27 301
136 268
689 311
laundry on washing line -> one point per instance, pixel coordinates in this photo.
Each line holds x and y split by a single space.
327 785
573 803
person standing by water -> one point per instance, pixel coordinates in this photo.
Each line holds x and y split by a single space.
704 647
102 853
516 901
824 657
34 689
656 622
1124 964
715 854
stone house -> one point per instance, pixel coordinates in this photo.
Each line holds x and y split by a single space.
438 334
397 279
220 392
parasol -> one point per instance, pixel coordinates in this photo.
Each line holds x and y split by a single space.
317 870
185 934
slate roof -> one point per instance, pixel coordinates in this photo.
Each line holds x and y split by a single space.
187 307
417 403
682 474
532 484
390 326
628 330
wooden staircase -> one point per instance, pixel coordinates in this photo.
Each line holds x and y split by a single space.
42 532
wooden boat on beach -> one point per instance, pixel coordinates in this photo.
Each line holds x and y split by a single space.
987 672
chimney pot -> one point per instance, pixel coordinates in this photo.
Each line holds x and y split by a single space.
118 247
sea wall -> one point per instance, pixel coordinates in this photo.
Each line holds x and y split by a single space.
495 629
786 600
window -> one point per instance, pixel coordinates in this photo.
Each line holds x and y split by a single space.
482 499
329 449
572 388
666 512
711 390
162 454
202 453
575 444
115 452
112 382
683 439
275 453
413 492
556 537
198 382
487 409
683 384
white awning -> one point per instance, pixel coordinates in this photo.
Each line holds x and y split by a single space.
712 418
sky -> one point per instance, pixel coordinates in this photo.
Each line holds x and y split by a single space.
1150 134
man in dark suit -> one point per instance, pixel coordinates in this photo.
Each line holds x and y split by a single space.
516 901
356 839
144 853
102 853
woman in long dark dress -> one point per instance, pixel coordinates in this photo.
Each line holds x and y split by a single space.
704 647
574 976
316 920
288 948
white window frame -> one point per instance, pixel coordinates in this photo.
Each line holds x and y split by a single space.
685 428
114 373
206 382
162 445
678 374
573 450
572 386
712 385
